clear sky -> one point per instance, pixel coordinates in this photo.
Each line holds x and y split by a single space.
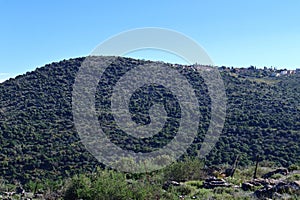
233 32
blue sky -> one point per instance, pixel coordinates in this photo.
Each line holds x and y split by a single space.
233 32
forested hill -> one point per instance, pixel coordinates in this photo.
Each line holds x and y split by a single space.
38 138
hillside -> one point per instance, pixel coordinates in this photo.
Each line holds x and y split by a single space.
38 138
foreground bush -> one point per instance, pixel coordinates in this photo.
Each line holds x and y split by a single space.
111 185
188 169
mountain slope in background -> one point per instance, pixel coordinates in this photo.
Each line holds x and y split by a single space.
38 138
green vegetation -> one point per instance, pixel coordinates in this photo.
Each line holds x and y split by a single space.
38 139
109 184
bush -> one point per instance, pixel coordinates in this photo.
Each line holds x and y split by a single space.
181 190
294 177
78 187
109 184
293 168
277 176
188 169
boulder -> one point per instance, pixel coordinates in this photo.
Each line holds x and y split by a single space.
282 171
270 191
296 183
213 182
247 186
20 190
168 184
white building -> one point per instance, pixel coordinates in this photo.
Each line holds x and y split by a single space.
284 72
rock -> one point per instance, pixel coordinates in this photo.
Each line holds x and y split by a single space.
259 182
214 179
272 191
39 196
297 183
211 183
282 171
167 184
20 190
268 186
277 195
263 193
175 183
247 186
29 195
256 183
9 193
273 181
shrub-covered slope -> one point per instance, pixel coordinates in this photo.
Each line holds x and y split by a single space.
38 137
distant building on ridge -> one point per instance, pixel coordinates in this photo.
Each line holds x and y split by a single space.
284 72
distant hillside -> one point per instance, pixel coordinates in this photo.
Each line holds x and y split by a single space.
38 138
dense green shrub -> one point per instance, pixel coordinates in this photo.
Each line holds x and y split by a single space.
108 184
188 169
